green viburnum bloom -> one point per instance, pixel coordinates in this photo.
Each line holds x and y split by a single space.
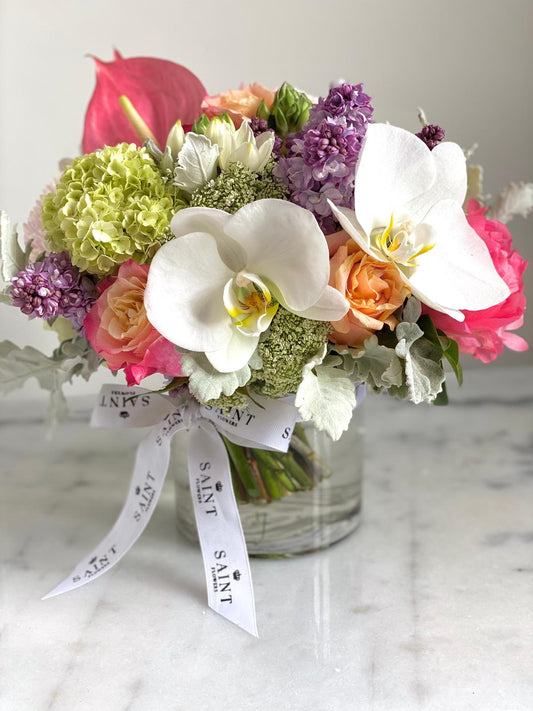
237 186
110 206
285 349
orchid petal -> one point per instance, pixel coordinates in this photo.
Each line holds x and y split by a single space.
458 272
331 306
235 354
208 219
394 168
349 223
162 92
450 181
285 246
183 296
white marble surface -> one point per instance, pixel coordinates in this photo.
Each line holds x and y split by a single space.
427 606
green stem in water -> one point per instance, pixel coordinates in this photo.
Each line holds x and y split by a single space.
262 476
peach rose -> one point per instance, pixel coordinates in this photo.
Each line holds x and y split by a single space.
238 103
118 329
375 291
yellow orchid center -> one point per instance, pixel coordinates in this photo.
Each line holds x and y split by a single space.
402 242
248 301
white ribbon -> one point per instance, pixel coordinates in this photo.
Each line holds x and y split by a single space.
267 425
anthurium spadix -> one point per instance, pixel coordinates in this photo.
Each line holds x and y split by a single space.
217 286
408 210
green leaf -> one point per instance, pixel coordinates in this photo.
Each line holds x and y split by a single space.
326 397
448 347
206 383
442 397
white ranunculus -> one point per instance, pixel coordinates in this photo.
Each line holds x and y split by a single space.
408 211
214 288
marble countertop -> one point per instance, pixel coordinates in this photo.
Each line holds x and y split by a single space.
427 606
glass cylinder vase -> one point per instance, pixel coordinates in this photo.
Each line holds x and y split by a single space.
290 503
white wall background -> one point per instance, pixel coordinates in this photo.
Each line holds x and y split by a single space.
466 62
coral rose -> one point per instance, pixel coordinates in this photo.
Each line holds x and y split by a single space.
238 103
484 333
375 291
118 329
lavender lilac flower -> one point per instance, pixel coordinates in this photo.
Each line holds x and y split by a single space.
321 159
259 126
54 287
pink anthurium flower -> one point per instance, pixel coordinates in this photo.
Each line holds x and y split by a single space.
161 92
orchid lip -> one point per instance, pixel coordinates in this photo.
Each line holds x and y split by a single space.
399 243
248 302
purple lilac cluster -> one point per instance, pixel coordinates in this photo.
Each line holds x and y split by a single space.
432 135
259 126
321 159
54 287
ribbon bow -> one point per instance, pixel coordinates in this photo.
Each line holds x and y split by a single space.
267 425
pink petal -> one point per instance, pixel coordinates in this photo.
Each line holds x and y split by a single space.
162 92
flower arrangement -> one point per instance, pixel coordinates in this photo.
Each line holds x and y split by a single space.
257 246
263 242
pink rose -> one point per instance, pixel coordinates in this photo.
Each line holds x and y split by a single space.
238 103
483 334
374 290
118 329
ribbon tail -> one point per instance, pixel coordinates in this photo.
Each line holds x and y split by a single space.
151 466
226 564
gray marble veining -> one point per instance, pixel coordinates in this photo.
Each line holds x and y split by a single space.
427 606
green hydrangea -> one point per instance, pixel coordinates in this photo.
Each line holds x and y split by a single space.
110 206
290 342
237 186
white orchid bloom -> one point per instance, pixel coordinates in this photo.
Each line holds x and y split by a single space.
240 146
216 287
408 211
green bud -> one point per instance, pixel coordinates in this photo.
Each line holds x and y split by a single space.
227 118
262 111
200 125
290 110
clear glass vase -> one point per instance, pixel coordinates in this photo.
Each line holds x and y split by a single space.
289 503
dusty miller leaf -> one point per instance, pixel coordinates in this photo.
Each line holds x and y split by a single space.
326 397
516 199
197 163
412 310
378 366
72 358
206 383
423 368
